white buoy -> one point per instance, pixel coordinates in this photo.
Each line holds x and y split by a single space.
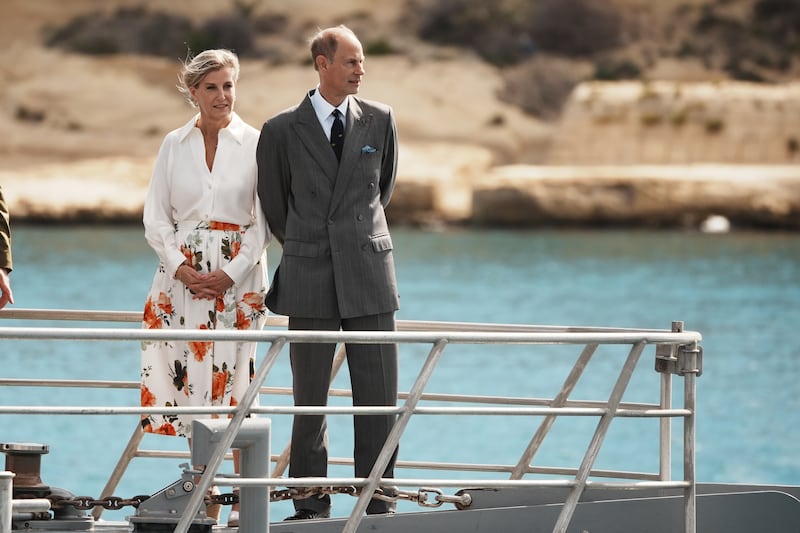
715 224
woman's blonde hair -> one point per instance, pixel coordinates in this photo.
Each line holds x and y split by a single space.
196 68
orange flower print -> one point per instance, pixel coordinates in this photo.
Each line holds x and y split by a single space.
234 403
223 226
189 254
151 319
219 381
165 304
200 348
235 247
166 429
220 304
148 398
255 300
242 322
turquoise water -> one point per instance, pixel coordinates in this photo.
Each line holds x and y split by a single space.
741 291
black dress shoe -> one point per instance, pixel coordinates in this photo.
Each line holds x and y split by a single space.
308 514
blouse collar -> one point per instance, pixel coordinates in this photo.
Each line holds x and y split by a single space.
235 129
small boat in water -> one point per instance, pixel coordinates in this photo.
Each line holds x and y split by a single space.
523 496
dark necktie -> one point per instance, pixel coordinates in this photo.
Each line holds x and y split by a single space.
337 134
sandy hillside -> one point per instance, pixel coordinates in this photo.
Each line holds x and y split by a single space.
86 129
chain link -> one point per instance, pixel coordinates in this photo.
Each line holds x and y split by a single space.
86 503
421 497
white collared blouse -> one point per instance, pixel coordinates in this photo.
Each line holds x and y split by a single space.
184 191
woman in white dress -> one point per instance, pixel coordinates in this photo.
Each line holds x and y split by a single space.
203 219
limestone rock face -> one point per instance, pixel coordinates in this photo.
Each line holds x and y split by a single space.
670 122
669 196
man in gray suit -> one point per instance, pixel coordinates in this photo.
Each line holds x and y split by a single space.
323 193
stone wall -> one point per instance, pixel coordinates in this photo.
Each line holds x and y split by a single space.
663 123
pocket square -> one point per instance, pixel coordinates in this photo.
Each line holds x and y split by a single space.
367 149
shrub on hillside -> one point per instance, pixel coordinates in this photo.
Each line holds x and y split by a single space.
128 30
779 22
494 30
541 85
138 31
576 27
234 32
506 32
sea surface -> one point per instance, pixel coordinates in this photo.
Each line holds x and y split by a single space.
740 290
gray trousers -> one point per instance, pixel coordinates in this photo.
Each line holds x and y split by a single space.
373 379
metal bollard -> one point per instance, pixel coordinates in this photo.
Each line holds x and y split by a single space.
253 440
5 501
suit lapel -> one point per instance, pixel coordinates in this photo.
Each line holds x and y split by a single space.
313 138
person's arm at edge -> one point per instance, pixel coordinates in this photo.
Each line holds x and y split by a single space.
273 180
159 229
6 264
389 162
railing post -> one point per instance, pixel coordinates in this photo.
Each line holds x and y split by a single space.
253 440
690 493
5 501
665 423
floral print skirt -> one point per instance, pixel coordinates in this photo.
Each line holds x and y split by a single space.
200 373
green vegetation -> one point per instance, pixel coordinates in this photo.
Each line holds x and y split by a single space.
543 48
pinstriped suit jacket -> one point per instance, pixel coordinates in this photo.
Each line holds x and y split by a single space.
329 217
5 235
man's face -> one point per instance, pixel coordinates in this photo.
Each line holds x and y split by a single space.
342 76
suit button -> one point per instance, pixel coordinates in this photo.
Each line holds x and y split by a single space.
330 222
360 217
371 185
364 247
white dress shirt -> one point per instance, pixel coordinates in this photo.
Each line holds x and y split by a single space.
183 190
323 109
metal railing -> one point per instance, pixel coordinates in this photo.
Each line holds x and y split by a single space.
677 352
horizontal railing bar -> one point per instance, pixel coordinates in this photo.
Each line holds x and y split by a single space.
497 468
70 383
438 465
277 320
364 337
420 482
344 393
335 410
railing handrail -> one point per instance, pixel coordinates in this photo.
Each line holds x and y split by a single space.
439 335
364 337
87 315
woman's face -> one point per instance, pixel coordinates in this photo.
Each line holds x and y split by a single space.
216 94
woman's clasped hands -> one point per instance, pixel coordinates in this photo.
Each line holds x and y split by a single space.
204 286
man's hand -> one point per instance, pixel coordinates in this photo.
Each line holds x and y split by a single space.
6 296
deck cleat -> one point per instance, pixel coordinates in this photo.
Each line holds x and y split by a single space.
162 511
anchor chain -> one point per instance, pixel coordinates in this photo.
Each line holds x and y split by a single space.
424 497
86 503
